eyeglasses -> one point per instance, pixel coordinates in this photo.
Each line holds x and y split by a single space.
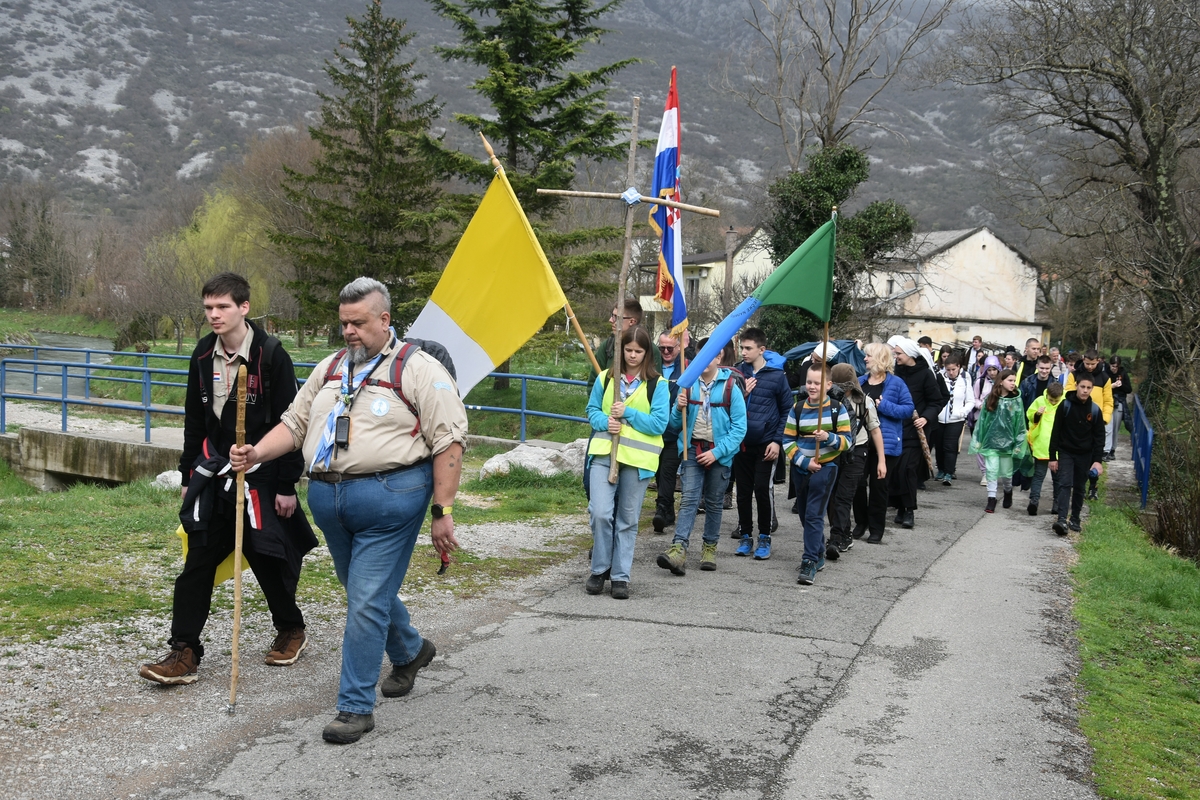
666 348
612 317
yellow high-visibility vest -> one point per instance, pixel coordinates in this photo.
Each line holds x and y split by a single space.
636 449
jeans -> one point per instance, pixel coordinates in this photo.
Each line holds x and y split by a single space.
812 496
612 545
371 526
706 486
1072 478
1040 468
754 489
851 466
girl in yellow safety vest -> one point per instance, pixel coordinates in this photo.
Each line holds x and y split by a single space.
635 409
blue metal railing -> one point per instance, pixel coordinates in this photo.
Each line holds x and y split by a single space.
1143 445
87 371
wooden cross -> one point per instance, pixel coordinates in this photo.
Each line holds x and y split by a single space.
632 198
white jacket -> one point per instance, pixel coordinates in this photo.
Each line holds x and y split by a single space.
962 399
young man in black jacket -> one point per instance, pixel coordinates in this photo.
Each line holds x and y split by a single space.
276 532
1076 450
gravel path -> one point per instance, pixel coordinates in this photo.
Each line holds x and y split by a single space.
75 720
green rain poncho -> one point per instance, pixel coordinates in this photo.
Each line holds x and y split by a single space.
1002 432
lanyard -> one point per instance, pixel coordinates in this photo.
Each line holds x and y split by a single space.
349 390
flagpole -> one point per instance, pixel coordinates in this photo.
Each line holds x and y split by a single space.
824 368
574 321
619 321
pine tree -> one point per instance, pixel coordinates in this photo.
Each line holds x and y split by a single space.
371 203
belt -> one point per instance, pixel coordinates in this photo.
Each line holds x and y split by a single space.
340 477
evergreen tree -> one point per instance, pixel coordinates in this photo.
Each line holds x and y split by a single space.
547 119
370 204
801 202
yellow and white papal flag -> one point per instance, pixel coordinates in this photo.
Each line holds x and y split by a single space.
495 293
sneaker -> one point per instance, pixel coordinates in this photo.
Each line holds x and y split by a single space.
728 502
820 564
808 573
178 666
287 648
908 519
348 728
708 557
738 533
1075 526
946 479
400 681
831 551
991 506
1059 527
1092 494
774 522
595 583
1008 499
745 548
763 551
620 590
659 522
674 559
983 481
1032 509
846 543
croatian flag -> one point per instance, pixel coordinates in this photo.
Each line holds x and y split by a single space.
669 287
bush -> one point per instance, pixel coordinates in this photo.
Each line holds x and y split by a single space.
1176 482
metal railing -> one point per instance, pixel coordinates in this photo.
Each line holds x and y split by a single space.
1143 446
147 376
85 372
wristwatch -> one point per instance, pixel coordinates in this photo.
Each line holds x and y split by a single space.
439 511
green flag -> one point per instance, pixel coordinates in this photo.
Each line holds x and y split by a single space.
805 278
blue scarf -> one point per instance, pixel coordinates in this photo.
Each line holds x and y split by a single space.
324 454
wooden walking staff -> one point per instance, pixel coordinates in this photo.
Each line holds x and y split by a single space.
237 538
567 308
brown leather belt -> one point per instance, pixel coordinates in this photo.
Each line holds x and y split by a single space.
339 477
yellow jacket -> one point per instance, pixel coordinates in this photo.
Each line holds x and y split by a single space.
1101 394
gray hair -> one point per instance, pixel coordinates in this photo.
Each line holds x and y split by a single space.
360 289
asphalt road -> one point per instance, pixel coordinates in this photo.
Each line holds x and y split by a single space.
938 664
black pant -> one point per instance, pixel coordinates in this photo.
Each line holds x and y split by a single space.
851 466
1073 471
668 471
871 498
753 478
902 481
943 443
194 586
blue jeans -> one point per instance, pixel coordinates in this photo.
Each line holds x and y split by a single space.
812 496
612 546
701 485
371 526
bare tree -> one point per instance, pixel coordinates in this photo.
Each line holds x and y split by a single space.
1107 98
814 69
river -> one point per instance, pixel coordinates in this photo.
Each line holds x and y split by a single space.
20 378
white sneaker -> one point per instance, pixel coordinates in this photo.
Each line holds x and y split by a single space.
983 481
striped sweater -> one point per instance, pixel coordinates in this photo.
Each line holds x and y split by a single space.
798 442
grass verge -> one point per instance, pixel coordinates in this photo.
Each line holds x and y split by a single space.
22 322
1138 608
94 554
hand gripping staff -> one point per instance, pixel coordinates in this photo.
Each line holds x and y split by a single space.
237 539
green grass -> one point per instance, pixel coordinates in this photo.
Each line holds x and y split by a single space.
22 322
107 554
1138 608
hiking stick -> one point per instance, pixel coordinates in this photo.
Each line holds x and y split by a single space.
237 539
924 444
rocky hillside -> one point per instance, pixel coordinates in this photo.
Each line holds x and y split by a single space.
113 100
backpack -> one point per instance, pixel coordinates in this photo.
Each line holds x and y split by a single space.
1094 411
836 406
650 386
265 361
396 384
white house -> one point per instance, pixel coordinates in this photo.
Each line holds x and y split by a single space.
953 285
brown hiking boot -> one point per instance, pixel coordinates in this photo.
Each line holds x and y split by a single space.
177 666
287 647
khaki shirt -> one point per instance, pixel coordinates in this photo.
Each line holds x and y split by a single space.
225 369
381 426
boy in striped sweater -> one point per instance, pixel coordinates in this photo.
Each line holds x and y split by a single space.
814 451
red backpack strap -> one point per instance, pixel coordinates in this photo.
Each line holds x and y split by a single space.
334 364
397 383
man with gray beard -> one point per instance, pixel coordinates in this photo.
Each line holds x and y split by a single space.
377 450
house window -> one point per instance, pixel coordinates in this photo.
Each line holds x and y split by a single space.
691 291
891 287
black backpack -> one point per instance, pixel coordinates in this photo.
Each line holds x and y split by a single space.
396 384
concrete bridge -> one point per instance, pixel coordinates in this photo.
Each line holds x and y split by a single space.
51 460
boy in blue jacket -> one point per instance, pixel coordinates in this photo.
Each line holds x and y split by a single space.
768 401
716 423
